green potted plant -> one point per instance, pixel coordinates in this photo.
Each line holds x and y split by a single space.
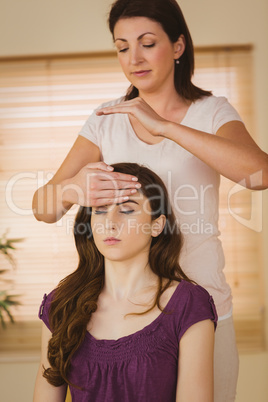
7 300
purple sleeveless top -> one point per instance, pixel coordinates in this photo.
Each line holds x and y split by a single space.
141 367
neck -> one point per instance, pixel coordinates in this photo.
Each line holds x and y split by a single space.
165 100
125 279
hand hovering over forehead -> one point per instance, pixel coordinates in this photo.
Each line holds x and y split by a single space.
141 111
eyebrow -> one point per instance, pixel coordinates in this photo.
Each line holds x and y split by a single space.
140 37
119 203
125 202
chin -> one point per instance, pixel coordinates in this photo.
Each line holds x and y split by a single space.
116 257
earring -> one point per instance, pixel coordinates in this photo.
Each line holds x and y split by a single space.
177 61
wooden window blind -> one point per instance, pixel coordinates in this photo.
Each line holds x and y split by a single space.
229 72
43 104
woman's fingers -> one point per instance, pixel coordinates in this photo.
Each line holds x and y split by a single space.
99 182
114 109
108 197
94 185
131 107
113 186
94 168
100 166
141 111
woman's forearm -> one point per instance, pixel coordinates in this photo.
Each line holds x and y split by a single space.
50 203
238 160
231 152
44 392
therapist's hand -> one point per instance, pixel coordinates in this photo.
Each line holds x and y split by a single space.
139 109
96 184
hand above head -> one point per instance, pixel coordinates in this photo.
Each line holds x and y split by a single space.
139 109
96 184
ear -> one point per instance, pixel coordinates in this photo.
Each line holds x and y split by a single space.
158 225
179 47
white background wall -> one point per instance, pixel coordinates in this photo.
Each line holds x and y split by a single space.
32 27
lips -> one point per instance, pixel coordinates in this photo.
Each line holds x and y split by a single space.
141 73
111 241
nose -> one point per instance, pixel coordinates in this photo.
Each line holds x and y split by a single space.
110 222
135 55
110 225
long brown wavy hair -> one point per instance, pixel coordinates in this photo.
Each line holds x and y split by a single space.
169 15
76 297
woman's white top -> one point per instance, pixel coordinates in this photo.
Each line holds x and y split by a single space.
192 185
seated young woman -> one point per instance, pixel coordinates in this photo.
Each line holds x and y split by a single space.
128 325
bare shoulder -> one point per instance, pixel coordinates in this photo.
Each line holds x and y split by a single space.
168 293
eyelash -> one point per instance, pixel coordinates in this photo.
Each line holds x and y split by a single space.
147 46
127 212
121 212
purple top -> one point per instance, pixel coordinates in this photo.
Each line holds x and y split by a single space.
141 367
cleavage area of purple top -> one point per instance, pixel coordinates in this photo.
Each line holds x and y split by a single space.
141 367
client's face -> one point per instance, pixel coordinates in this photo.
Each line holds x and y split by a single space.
123 231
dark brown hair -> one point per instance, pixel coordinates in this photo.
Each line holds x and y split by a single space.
170 16
76 296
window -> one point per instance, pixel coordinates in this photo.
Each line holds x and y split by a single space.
229 72
43 104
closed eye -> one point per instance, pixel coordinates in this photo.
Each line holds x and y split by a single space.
123 50
129 211
152 45
99 211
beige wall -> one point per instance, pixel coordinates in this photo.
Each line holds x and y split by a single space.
61 26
